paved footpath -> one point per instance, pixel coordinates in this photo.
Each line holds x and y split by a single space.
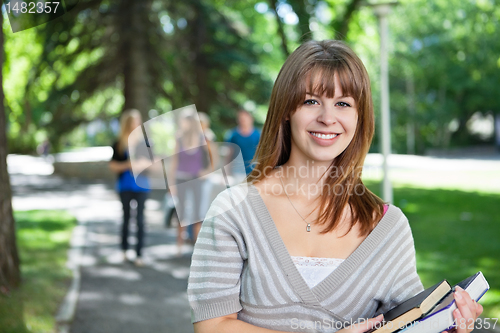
115 296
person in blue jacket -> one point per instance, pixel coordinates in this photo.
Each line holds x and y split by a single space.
126 185
246 136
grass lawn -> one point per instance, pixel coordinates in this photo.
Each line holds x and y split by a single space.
457 233
43 240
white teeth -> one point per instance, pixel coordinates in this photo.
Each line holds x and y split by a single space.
323 136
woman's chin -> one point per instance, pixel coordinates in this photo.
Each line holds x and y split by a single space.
322 159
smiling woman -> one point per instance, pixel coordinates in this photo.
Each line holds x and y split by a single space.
323 89
304 246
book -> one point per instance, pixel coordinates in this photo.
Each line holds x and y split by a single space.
413 308
441 317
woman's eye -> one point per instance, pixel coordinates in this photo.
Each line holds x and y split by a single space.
343 104
311 102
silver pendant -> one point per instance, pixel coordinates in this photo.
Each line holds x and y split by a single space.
308 228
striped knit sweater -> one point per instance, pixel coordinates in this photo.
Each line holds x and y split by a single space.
241 265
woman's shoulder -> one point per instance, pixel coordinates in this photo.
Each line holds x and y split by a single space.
230 199
395 212
395 219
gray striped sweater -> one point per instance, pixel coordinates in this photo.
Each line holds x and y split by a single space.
241 265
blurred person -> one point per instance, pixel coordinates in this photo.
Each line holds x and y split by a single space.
205 126
189 162
214 160
246 137
43 148
126 185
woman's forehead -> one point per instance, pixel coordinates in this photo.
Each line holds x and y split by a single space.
328 83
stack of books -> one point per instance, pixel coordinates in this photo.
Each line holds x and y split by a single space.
431 311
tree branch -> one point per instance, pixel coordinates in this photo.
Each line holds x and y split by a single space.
281 31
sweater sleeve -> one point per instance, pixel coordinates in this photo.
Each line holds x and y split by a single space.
407 282
216 266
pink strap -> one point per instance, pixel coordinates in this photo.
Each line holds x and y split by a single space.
386 207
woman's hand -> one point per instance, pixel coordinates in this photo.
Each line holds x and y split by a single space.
466 313
364 326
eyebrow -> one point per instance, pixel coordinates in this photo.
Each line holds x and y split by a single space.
314 95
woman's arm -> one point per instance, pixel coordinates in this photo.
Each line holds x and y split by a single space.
230 324
119 167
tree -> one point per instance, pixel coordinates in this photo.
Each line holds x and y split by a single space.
9 260
105 56
108 55
446 56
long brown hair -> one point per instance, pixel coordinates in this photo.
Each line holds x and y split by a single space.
126 122
311 68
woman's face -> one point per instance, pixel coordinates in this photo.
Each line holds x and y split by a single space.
323 127
133 123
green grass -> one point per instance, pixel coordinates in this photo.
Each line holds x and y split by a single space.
43 241
457 233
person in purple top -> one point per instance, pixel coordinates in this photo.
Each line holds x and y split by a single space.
190 162
246 137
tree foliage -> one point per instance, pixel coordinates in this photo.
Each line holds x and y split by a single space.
107 55
447 51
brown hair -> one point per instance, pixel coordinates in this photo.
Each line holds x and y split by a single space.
126 122
311 68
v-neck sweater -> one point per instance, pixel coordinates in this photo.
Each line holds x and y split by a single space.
240 265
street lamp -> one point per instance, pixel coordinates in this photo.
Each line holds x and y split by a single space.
381 10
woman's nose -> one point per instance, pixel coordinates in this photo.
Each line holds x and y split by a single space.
327 115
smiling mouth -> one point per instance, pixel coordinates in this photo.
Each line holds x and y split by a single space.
324 136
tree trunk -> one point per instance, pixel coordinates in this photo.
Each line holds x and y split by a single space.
136 81
9 260
299 7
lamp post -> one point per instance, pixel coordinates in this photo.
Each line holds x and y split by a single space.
381 10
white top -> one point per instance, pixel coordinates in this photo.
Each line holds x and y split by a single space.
314 270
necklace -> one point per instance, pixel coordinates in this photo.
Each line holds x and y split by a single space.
308 227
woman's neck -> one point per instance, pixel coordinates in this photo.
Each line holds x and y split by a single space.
304 178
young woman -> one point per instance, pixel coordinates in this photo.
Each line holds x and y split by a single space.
126 185
304 246
189 162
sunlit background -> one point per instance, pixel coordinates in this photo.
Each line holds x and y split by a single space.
67 81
